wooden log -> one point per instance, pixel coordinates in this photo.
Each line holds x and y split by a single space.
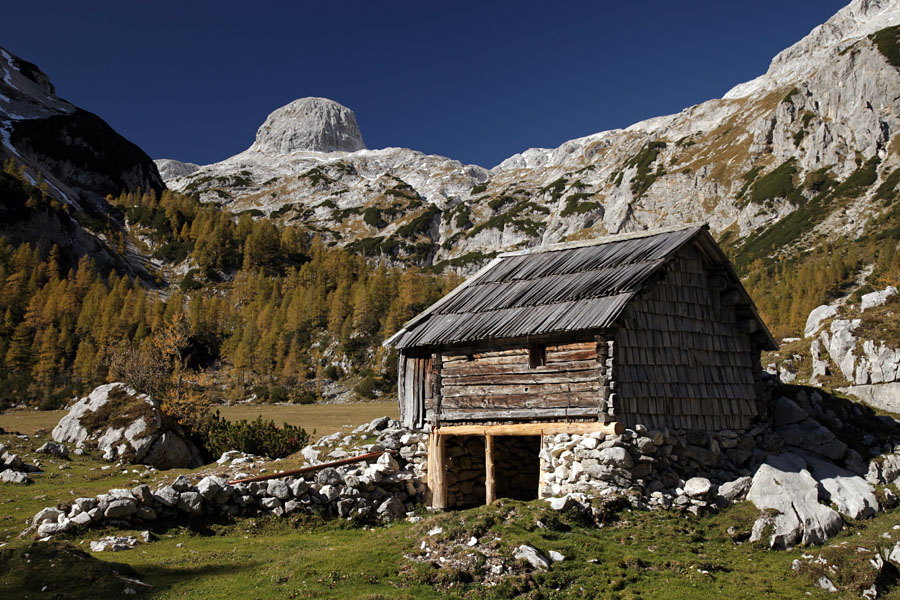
579 376
568 355
488 360
554 400
490 486
611 428
473 368
536 389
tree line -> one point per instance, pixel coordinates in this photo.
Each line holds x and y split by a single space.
260 309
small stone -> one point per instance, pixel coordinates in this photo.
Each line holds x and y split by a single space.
532 556
208 487
57 450
120 508
166 495
826 584
10 476
556 556
191 502
182 484
270 503
146 513
277 488
697 487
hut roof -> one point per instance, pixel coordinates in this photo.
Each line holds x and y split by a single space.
558 288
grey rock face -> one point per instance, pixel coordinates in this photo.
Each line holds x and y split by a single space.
852 495
879 298
784 484
310 124
170 169
819 315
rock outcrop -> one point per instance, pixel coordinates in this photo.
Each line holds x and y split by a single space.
128 426
870 367
311 125
81 158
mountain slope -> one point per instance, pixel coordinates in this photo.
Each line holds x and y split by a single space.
74 157
827 105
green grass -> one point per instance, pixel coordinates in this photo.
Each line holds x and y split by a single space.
324 419
779 183
633 554
575 206
888 43
643 160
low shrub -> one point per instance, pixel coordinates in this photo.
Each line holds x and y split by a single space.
263 438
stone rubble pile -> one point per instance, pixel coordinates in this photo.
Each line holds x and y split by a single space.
384 490
13 469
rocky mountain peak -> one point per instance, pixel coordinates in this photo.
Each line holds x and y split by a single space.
856 20
309 124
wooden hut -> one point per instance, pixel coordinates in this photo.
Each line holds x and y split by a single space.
652 328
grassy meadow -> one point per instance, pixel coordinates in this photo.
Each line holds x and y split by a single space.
632 554
317 419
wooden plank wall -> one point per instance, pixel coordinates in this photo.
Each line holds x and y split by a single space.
500 383
414 388
681 359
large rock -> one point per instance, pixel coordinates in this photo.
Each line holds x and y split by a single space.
126 426
878 298
852 495
784 485
310 124
819 315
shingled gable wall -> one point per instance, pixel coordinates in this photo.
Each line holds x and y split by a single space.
682 360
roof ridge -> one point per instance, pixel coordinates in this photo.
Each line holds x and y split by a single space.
621 237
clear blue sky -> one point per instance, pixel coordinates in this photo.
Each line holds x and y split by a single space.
475 81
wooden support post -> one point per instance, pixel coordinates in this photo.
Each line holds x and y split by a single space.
437 470
490 484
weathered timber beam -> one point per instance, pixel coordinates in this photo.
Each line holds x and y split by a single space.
613 428
522 413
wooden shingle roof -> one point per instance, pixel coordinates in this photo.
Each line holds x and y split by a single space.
550 289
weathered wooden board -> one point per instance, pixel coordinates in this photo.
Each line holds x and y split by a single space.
585 399
467 369
583 375
520 414
535 389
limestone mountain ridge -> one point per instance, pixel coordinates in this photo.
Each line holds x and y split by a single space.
826 109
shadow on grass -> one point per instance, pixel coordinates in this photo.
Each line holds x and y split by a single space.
162 578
